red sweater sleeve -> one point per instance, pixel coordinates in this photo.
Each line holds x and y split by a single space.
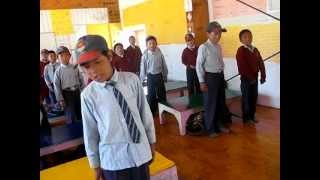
261 65
241 61
185 58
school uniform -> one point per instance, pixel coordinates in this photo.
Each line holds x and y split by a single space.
134 53
153 65
118 142
249 63
48 74
123 64
44 91
209 67
68 82
189 58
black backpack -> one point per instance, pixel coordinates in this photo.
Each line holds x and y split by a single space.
195 124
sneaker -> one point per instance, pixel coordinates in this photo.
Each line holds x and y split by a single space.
255 121
213 135
248 123
225 130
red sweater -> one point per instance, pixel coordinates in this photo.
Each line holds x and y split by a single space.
123 64
250 63
44 91
189 57
134 54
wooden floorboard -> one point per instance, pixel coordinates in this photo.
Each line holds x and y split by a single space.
248 153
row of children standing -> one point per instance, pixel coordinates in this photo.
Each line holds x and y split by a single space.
205 74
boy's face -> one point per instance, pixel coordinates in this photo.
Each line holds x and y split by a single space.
246 38
119 50
152 44
190 41
52 58
214 36
99 70
132 40
44 57
64 57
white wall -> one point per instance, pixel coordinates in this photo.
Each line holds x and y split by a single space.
269 92
172 54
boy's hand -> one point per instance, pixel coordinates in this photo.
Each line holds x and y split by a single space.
62 104
262 81
192 67
203 87
98 174
153 150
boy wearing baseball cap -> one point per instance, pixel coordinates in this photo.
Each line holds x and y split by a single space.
118 126
68 83
210 68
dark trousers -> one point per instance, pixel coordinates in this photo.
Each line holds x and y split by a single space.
249 90
192 82
53 99
156 91
72 105
135 173
214 102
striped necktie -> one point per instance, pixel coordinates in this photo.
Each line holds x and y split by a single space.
132 127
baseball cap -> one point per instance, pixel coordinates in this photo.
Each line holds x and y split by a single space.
62 49
215 25
89 48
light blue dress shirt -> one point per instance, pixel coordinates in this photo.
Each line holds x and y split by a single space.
209 59
67 76
106 137
153 63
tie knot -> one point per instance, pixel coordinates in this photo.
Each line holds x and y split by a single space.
110 83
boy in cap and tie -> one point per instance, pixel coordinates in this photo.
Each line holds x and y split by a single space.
68 83
119 134
210 68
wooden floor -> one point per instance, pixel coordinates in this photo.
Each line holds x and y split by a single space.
248 153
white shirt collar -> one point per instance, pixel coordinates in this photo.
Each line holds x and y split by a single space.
250 48
114 79
133 46
65 65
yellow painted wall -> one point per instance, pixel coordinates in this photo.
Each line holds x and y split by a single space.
266 37
109 31
100 29
164 19
61 22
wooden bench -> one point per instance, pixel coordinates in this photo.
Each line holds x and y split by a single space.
61 138
183 107
161 169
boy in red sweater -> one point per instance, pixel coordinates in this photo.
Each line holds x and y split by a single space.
249 63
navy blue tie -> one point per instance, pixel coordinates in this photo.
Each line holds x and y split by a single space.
132 127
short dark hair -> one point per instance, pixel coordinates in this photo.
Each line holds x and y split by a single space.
117 44
244 31
188 35
149 38
51 52
132 37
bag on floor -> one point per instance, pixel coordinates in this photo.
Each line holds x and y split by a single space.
195 124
